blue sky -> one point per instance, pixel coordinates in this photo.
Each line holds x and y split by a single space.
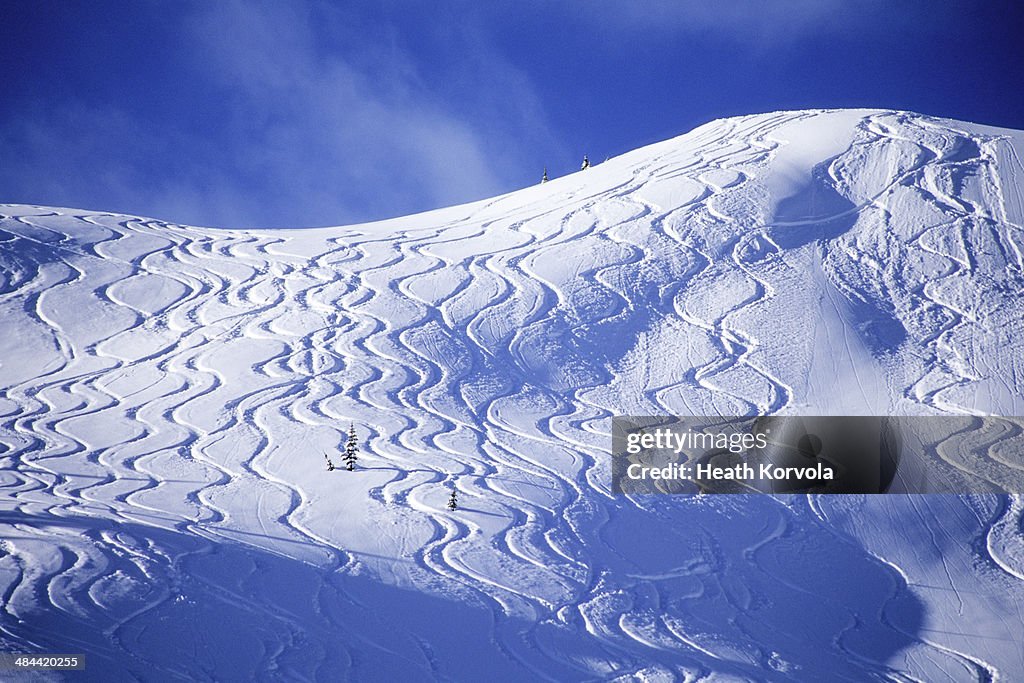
287 114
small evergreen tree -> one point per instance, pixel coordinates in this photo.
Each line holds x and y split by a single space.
586 163
330 465
453 503
544 178
351 448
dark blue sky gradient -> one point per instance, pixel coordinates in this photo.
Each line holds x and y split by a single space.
280 114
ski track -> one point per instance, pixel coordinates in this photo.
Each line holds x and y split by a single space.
468 355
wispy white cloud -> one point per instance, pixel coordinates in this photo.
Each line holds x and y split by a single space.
321 116
339 124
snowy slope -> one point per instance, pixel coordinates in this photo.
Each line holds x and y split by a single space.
170 394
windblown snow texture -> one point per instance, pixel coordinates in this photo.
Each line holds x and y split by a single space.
170 394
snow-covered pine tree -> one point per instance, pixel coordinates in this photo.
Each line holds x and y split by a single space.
330 465
586 163
544 178
453 503
351 448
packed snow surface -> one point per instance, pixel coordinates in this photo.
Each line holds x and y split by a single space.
171 395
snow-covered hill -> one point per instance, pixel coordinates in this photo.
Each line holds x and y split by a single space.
171 394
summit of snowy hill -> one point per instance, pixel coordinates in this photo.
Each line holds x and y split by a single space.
172 396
